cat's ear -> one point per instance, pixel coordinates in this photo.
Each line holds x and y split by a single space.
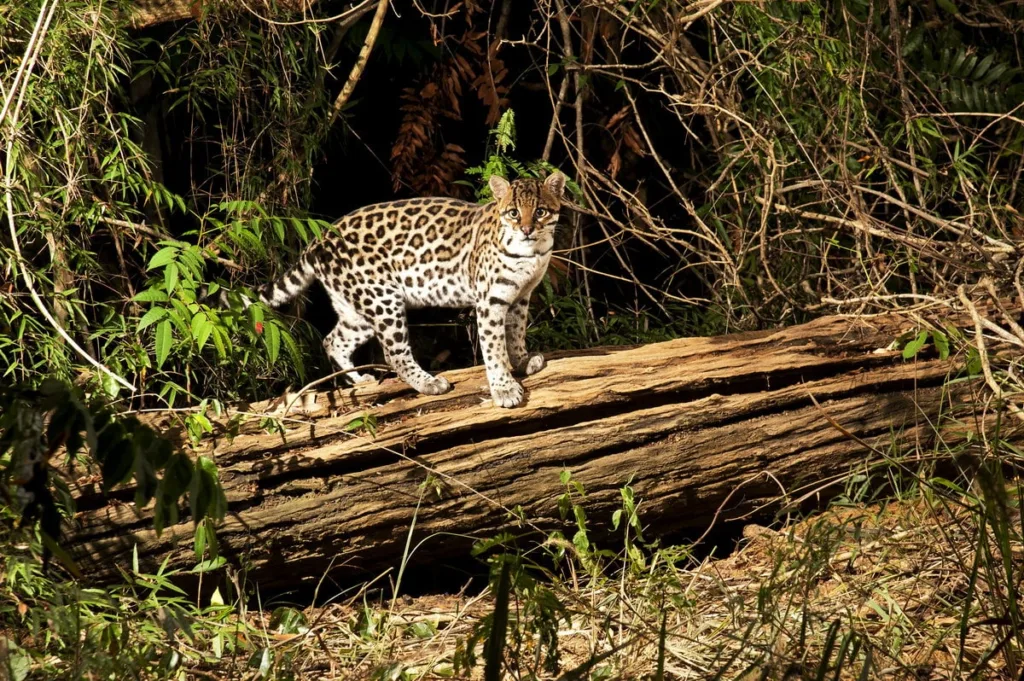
555 183
499 187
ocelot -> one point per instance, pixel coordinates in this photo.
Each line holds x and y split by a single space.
383 259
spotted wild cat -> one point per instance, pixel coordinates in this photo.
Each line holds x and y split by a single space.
383 259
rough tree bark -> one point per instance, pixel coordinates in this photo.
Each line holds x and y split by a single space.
703 427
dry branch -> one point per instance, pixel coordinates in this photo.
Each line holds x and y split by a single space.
694 423
364 56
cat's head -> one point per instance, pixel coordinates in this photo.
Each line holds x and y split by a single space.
527 205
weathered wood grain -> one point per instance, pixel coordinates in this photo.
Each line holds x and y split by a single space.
688 422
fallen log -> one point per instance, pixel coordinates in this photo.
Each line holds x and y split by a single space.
700 427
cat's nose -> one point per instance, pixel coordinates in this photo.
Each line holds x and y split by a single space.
527 228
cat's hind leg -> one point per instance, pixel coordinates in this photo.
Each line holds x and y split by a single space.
386 312
351 331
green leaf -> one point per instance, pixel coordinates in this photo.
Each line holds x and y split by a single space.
191 261
255 313
278 227
983 66
948 5
947 56
170 277
913 41
272 335
968 66
581 517
941 344
286 620
212 564
913 347
151 295
995 73
494 648
580 541
293 354
974 366
217 644
221 342
959 59
971 96
201 329
553 68
211 538
164 338
179 313
262 660
206 495
154 315
18 663
198 425
163 257
422 630
318 227
199 541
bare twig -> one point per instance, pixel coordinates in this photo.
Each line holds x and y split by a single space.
983 358
364 56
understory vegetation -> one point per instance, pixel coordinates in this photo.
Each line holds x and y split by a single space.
733 165
920 582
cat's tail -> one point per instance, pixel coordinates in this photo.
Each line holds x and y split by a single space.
290 284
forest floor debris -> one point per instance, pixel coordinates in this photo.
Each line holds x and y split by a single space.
911 588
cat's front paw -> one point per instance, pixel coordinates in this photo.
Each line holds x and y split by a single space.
534 364
437 385
507 395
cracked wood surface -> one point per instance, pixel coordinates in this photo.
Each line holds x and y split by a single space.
690 422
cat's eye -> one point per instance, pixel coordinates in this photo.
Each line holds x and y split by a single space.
541 212
514 214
